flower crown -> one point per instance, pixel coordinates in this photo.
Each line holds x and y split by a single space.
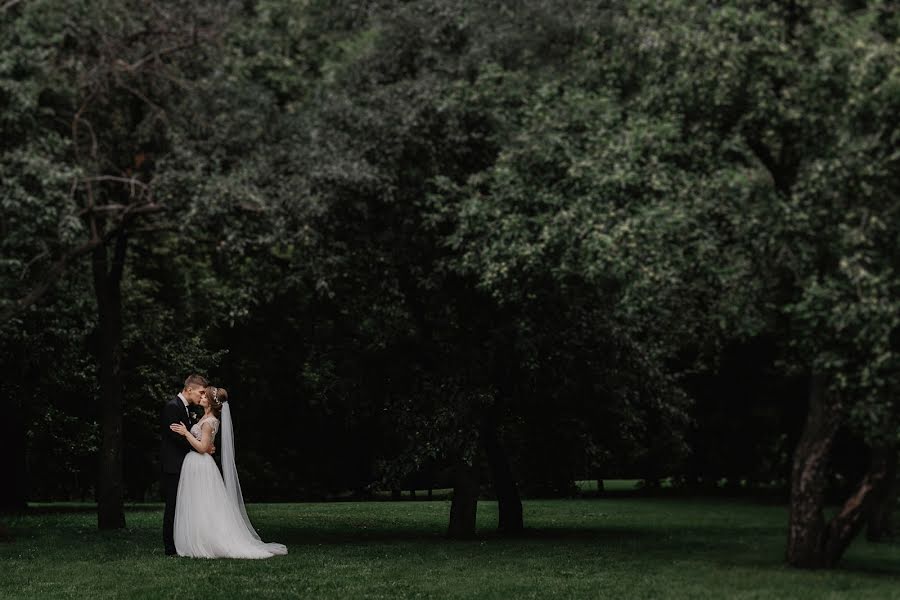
215 397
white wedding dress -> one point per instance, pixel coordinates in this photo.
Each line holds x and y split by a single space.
210 518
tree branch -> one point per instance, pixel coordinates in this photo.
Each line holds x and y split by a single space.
76 120
9 4
55 272
763 153
44 253
131 67
59 267
132 181
782 173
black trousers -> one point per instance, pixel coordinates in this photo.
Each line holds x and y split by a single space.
170 491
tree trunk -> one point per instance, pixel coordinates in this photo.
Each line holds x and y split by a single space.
844 527
813 543
884 503
13 496
464 504
107 280
509 504
806 528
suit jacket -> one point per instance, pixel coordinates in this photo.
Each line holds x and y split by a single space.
173 447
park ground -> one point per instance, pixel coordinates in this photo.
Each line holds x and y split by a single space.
628 547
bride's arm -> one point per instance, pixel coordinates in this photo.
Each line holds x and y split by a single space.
204 444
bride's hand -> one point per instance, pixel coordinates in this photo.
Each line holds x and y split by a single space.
178 428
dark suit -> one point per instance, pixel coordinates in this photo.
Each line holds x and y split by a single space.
172 451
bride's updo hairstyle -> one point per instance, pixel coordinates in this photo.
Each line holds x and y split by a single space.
216 397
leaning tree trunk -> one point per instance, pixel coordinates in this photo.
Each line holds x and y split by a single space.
806 529
813 543
464 503
509 504
844 527
107 287
880 525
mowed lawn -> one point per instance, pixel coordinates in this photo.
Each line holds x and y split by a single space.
590 548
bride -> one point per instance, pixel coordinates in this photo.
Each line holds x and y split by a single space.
210 518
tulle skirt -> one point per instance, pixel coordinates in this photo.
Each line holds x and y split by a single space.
207 523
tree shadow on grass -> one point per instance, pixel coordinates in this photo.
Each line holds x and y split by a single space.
653 538
870 567
717 545
72 509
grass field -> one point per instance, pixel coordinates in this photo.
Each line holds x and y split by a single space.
591 548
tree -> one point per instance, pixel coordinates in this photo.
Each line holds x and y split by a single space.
804 100
115 68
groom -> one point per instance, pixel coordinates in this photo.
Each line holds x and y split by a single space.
174 447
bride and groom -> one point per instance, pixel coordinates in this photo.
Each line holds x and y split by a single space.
205 515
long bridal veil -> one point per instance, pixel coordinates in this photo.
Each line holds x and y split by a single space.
229 470
233 484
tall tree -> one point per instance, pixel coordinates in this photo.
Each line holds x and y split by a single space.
115 68
803 100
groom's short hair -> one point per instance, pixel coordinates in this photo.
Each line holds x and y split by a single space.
195 380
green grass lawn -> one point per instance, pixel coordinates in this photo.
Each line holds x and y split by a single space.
592 548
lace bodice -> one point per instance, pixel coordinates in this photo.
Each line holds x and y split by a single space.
196 429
